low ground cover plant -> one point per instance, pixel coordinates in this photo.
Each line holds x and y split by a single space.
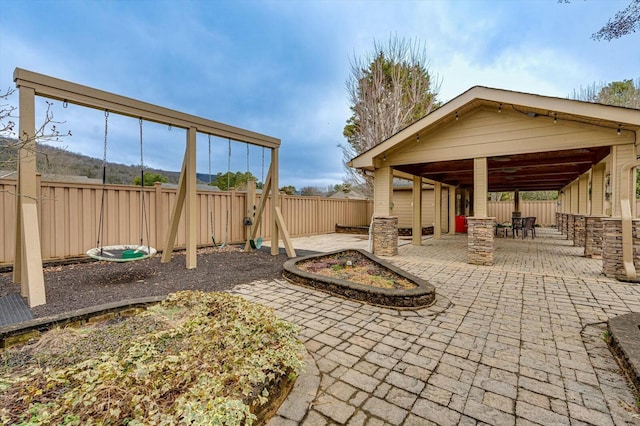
353 266
196 358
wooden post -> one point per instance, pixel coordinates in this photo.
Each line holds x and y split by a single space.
191 200
383 191
480 182
158 216
174 220
583 193
437 231
416 233
597 189
452 210
28 255
250 212
275 202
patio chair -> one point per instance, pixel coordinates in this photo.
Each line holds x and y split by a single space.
517 225
529 226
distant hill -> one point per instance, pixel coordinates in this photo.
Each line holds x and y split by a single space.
52 160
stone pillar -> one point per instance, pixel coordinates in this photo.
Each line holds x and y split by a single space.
480 240
385 235
571 227
559 221
594 236
612 264
579 230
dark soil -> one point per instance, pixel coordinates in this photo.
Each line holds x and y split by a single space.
82 285
353 266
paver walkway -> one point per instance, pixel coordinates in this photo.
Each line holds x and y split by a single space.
519 342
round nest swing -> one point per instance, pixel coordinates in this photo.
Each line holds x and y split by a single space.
122 253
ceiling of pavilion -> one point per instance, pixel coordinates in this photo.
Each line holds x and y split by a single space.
538 171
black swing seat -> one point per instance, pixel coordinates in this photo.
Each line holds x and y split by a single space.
121 253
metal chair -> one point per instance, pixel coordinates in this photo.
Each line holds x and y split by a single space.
517 225
529 226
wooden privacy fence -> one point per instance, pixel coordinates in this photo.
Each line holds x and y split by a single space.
69 216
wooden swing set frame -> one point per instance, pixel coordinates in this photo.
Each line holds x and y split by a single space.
27 267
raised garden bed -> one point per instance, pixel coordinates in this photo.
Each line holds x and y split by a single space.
210 357
359 275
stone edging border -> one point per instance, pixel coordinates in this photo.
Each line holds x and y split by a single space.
21 332
625 343
422 296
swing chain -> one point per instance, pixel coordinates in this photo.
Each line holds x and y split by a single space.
106 132
209 137
229 168
141 156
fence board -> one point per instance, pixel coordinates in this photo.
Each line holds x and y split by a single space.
70 214
543 211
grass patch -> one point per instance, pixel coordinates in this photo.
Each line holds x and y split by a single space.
197 358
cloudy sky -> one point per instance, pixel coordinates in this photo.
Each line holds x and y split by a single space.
279 67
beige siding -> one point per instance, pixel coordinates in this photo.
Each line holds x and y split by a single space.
485 133
70 214
403 199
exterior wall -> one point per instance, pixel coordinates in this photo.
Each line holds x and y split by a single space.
484 133
402 208
69 216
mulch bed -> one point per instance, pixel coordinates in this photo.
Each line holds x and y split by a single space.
83 285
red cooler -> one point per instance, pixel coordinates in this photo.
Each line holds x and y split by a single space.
461 224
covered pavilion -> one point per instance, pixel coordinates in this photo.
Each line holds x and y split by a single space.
488 140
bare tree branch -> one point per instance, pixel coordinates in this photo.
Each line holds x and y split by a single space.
47 132
625 22
389 88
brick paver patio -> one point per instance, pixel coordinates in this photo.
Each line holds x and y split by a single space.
519 342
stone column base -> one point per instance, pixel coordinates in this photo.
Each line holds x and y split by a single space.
385 236
571 227
579 230
480 240
612 262
594 236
